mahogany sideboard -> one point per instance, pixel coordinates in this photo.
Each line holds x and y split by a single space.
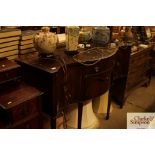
64 80
153 60
132 70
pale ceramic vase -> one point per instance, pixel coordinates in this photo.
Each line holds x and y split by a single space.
45 41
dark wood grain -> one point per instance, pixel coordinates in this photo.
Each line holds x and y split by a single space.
19 103
131 71
9 71
153 60
65 81
6 65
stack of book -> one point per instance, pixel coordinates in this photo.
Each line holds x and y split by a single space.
9 41
26 42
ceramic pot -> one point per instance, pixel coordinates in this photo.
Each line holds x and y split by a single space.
84 37
45 41
101 36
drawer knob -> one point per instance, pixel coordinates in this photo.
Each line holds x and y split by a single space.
53 68
9 102
118 63
96 69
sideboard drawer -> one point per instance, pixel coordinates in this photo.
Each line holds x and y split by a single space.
23 110
136 57
135 78
9 70
139 67
34 123
100 66
19 104
9 75
96 84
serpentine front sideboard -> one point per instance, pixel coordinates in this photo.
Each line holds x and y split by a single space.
64 80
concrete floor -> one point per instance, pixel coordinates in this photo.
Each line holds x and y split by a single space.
140 100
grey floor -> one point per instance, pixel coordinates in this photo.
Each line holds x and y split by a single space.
140 100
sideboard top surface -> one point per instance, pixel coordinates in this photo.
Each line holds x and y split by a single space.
53 64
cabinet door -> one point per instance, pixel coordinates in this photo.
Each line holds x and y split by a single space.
96 84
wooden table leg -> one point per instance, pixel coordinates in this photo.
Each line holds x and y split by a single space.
121 106
109 97
80 109
150 76
53 123
108 107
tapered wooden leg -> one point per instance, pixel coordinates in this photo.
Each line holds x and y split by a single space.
121 106
109 97
150 76
64 120
108 107
53 123
80 109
